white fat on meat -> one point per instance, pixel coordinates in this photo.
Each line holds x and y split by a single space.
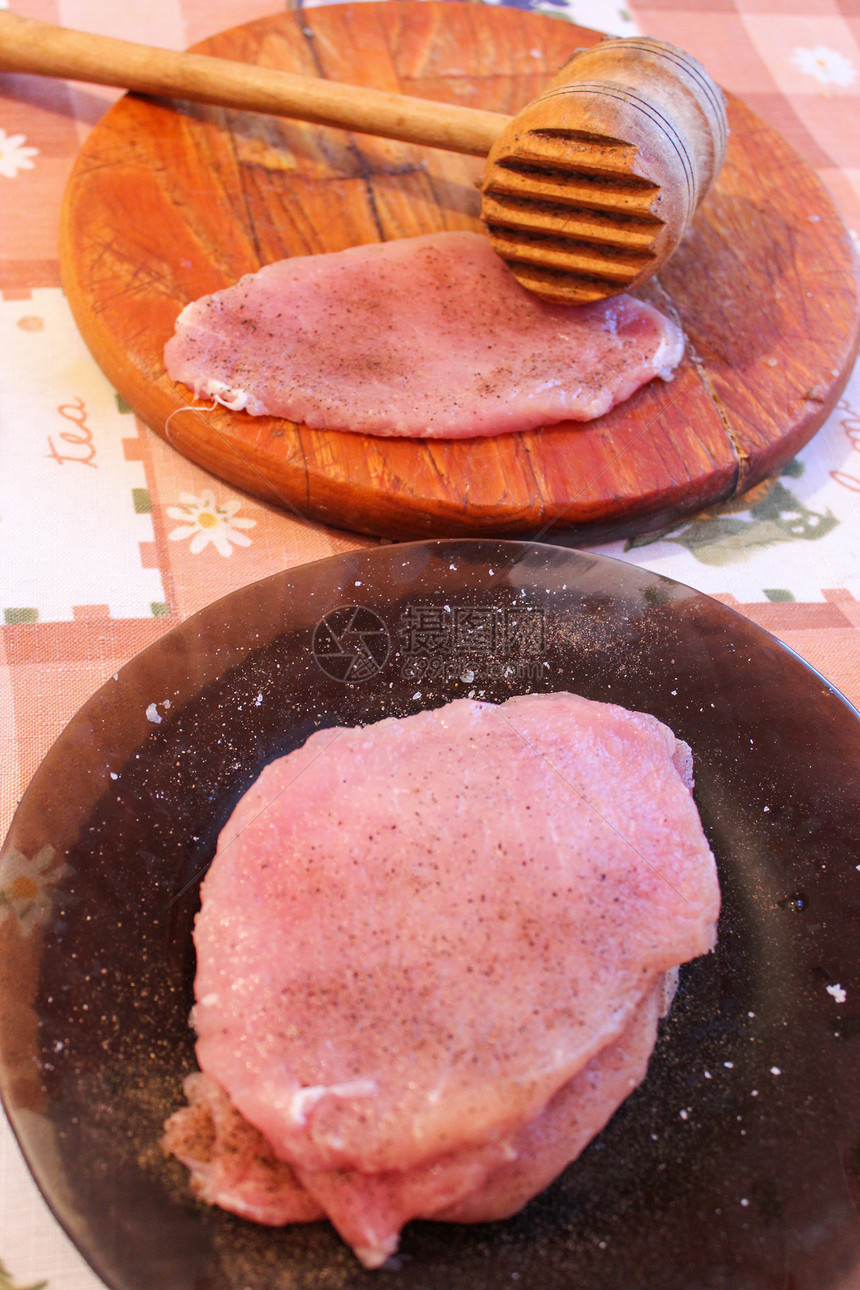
427 337
432 954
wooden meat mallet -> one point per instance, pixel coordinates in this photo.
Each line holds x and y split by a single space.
586 192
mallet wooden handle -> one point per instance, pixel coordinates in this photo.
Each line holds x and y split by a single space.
27 45
586 192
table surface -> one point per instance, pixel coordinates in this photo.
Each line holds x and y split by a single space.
108 538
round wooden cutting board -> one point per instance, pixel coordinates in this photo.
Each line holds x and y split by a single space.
170 201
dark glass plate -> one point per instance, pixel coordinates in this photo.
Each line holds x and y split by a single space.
735 1165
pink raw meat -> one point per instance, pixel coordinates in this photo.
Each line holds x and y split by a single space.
231 1163
233 1166
415 935
430 337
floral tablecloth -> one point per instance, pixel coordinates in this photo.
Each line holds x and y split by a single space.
108 538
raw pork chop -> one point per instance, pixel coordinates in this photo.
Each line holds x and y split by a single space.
430 336
424 943
233 1166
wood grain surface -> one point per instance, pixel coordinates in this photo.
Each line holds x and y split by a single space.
169 201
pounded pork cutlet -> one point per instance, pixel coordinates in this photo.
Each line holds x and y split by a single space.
233 1166
431 951
430 337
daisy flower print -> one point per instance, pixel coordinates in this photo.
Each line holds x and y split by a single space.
206 521
27 884
827 66
15 155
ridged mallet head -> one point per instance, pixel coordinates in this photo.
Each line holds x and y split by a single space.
591 187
